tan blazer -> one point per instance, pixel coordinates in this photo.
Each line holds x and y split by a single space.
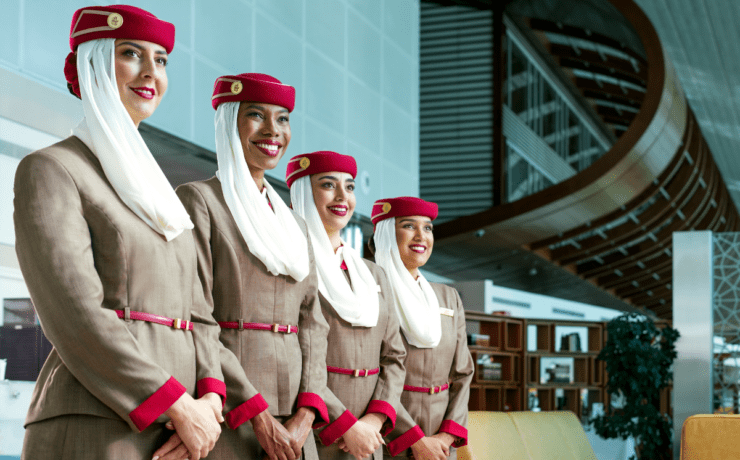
450 361
262 369
83 254
351 347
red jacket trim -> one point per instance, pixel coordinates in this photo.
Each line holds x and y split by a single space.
405 441
337 428
316 402
211 385
155 405
245 411
381 407
457 430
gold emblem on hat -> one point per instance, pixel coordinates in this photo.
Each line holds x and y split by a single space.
115 20
236 87
386 207
305 162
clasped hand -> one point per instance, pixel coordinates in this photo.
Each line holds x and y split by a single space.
283 442
197 428
363 438
436 447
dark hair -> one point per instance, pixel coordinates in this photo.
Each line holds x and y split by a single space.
371 244
72 91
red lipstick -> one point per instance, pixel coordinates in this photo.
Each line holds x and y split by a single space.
143 91
268 146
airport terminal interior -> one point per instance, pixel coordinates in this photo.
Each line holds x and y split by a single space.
583 154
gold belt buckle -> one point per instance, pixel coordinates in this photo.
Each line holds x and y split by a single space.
176 323
275 327
433 390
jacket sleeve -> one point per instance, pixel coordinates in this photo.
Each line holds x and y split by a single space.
243 401
461 375
341 419
54 248
406 433
387 395
312 337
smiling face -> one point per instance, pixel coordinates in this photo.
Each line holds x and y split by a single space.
141 76
415 239
334 195
264 130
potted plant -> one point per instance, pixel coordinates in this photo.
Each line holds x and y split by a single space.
638 357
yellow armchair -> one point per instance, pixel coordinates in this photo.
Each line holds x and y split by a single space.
525 436
711 437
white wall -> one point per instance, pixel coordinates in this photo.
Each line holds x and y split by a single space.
15 397
7 171
483 295
354 63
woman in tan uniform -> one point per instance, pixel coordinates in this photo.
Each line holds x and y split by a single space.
439 367
365 352
107 253
258 275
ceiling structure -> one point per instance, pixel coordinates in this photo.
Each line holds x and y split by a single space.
701 39
604 235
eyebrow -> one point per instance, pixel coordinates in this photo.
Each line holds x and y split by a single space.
336 178
259 107
140 47
413 221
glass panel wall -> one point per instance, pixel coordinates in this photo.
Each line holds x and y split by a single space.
547 113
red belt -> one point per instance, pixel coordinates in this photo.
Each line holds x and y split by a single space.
431 390
176 323
258 326
353 372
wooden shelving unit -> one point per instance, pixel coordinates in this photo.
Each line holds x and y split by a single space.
587 384
520 368
504 350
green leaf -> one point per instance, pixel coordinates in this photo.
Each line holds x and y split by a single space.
638 357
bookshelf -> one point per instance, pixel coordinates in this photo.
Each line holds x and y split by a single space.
499 361
562 372
518 359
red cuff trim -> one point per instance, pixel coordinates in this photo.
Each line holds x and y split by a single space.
317 403
245 411
405 441
156 404
381 407
211 385
455 429
337 428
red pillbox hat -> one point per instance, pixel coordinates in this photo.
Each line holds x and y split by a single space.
318 162
114 21
120 21
256 87
402 206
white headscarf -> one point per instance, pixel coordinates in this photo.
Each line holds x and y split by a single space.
357 304
418 309
272 235
110 133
